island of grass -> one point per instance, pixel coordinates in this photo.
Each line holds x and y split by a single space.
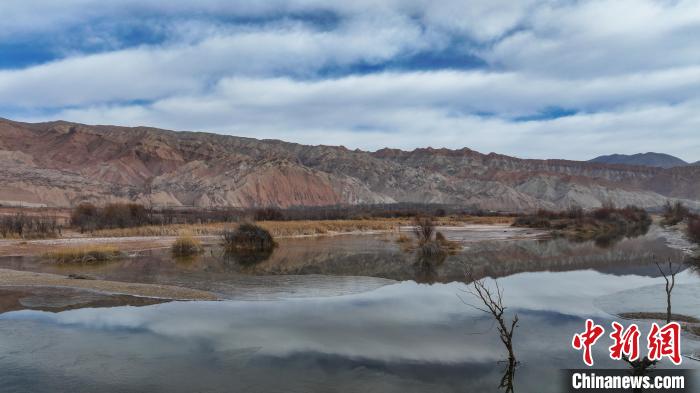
186 246
86 254
603 224
688 323
661 316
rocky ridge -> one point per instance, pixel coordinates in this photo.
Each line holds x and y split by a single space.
62 164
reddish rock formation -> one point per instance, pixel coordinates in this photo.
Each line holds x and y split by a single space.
62 164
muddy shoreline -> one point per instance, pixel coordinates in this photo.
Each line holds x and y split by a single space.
16 278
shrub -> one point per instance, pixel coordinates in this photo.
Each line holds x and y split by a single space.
85 217
674 213
606 224
186 246
248 237
440 212
575 212
28 226
535 221
88 217
424 228
693 229
90 254
269 214
123 215
433 246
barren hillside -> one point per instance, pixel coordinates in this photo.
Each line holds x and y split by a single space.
62 164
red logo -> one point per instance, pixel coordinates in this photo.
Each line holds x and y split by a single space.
661 342
587 339
665 342
626 342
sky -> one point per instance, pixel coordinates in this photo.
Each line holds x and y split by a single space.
529 78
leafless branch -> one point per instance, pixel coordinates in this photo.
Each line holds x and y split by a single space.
492 301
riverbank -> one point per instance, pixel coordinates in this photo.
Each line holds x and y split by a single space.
16 278
130 240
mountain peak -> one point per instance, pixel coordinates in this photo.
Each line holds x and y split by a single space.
642 159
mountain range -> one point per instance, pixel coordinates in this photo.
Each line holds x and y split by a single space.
62 164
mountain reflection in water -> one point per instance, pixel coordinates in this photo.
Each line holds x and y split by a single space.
342 265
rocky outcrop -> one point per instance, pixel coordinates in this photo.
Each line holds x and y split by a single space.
62 164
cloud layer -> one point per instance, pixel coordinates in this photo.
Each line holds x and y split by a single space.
532 78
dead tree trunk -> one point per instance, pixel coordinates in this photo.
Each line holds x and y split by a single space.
670 283
492 303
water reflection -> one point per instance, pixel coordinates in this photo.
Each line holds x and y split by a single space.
247 258
363 262
62 299
405 337
380 336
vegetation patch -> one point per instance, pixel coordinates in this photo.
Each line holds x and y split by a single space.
248 237
186 246
604 225
693 230
674 213
25 226
659 316
694 329
276 228
432 245
88 254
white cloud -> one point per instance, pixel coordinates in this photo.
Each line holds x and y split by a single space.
593 38
421 109
630 69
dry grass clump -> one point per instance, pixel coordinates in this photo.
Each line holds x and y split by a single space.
478 220
306 228
276 228
87 254
164 230
186 246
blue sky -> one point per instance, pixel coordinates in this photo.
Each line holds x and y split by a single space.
559 79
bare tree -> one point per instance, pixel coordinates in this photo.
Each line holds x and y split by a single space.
670 279
492 303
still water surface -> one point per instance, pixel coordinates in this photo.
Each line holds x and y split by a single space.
339 314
